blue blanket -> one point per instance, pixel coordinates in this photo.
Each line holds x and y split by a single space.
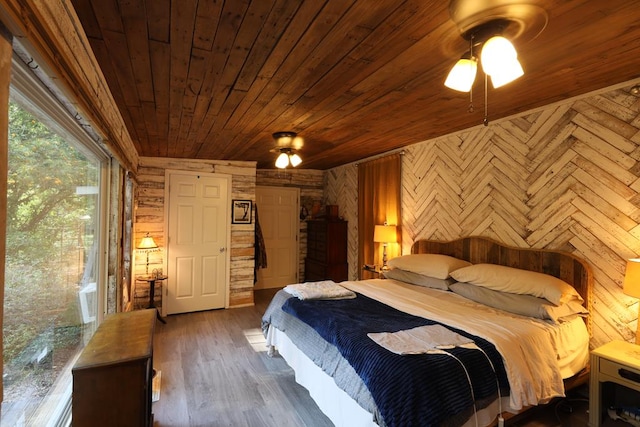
409 390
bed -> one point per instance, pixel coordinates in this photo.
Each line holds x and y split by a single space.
511 361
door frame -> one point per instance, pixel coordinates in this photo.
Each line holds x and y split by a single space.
165 227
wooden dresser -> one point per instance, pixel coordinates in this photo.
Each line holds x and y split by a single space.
326 251
112 377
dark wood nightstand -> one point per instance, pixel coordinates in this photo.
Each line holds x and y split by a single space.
374 270
152 279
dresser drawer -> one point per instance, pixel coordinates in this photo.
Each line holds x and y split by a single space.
620 372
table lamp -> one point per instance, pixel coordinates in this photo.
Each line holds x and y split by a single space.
147 245
385 234
631 285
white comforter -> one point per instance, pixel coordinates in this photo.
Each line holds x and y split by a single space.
529 347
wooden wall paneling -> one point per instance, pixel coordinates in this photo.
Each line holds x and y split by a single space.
341 188
564 177
114 264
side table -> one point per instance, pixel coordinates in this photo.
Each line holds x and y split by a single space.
152 285
375 270
613 365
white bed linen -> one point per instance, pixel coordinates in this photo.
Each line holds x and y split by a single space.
532 346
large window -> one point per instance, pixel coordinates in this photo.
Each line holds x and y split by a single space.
53 268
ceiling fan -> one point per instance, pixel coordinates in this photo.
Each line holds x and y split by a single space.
287 145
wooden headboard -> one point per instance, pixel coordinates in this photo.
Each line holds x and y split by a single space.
477 250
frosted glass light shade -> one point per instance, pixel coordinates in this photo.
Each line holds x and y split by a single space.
295 160
462 75
495 53
282 161
500 61
508 73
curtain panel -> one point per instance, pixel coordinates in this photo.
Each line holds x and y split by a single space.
379 201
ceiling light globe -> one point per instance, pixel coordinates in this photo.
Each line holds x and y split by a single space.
462 75
282 161
508 73
496 52
295 160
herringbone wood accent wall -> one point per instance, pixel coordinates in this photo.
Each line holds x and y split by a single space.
341 188
562 178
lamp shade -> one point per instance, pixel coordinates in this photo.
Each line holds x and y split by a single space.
385 234
147 242
295 160
631 283
495 53
462 75
508 73
500 61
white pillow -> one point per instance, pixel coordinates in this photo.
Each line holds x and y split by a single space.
517 281
524 305
432 265
417 279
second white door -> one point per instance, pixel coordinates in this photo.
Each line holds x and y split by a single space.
278 212
198 232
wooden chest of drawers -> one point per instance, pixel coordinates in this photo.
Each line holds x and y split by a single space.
326 251
112 377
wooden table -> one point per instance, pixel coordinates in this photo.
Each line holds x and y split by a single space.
152 285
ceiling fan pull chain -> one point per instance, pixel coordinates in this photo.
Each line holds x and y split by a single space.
470 109
486 113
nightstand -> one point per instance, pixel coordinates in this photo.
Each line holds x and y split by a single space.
375 270
615 379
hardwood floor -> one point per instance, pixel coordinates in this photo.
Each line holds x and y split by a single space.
212 376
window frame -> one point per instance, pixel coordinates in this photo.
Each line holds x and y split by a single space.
28 87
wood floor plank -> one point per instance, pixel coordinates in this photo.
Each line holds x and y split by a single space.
212 376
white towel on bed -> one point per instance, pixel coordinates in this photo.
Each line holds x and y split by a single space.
423 339
326 289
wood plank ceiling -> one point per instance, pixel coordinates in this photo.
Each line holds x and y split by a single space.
214 79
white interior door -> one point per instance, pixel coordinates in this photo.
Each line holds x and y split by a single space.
198 232
278 212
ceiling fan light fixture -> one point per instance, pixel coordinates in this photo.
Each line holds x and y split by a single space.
463 74
286 145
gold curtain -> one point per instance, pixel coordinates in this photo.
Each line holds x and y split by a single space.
379 200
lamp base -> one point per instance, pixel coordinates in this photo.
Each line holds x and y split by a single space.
385 267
